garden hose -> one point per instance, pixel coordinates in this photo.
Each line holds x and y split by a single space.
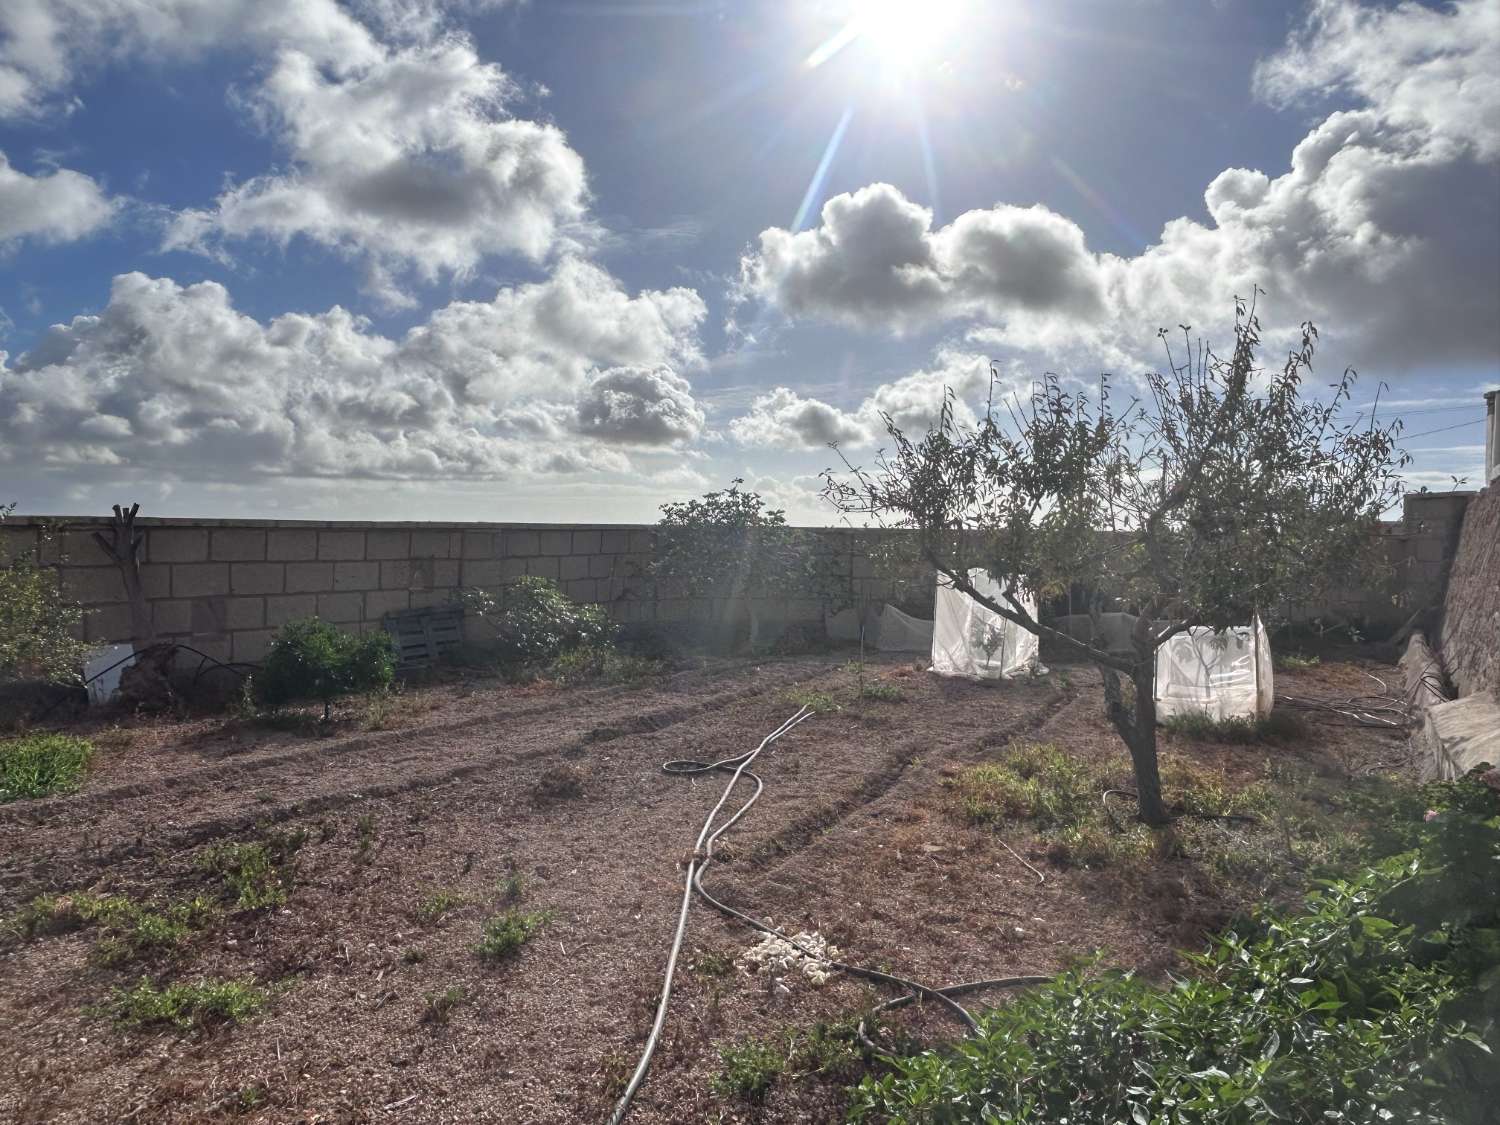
701 860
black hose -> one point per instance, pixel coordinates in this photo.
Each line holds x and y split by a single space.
212 664
700 862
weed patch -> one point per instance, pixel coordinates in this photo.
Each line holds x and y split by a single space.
185 1006
712 963
504 934
437 1007
813 700
881 691
128 929
256 875
1279 727
430 910
748 1069
39 765
598 664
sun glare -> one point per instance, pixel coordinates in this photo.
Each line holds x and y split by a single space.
902 34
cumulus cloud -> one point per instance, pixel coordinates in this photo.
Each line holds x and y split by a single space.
640 406
45 44
408 161
784 419
1385 229
58 206
175 380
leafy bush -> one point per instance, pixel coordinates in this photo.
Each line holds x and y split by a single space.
37 622
37 765
535 622
504 934
313 659
748 1069
1376 1004
1277 727
185 1006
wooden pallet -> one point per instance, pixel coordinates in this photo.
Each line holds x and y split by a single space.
423 635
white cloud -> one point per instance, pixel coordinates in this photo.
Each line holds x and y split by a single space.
408 161
1385 230
45 44
59 206
174 380
640 406
784 419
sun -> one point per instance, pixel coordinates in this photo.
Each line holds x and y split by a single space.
903 35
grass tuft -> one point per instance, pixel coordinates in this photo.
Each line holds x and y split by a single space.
437 1007
504 934
185 1006
39 765
258 875
430 910
1277 727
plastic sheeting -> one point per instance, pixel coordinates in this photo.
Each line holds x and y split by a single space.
900 632
1222 675
969 640
102 668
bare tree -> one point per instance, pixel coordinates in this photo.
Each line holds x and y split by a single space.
1220 492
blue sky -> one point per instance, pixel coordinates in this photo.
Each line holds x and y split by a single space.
569 260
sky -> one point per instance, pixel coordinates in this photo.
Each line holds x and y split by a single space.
567 260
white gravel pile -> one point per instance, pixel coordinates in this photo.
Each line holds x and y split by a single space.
778 957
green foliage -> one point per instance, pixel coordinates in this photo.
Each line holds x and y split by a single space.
1295 662
1278 727
1037 782
256 875
593 664
504 934
128 929
431 909
712 963
881 690
185 1006
1377 1003
535 622
437 1007
730 545
38 765
748 1069
812 699
37 623
314 659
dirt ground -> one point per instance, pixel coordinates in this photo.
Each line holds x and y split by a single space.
853 838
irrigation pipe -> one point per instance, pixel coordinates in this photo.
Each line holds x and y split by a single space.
702 859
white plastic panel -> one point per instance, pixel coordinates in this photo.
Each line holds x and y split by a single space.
900 632
103 684
1222 675
969 640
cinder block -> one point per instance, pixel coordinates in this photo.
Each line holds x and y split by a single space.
338 546
479 544
256 578
292 545
573 566
585 542
290 607
863 566
309 577
601 566
17 542
445 573
177 544
341 608
614 542
172 616
75 547
208 615
252 645
356 576
93 585
200 580
432 544
522 543
556 542
642 542
237 544
215 646
485 572
156 581
387 544
244 613
423 599
582 589
404 574
380 602
543 567
107 623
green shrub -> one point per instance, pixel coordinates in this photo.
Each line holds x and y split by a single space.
37 622
1278 727
504 934
311 659
596 664
185 1006
535 622
1375 1004
748 1069
37 765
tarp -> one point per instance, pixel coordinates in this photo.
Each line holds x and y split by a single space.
900 632
102 668
1222 675
970 640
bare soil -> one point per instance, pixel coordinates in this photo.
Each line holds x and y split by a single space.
853 838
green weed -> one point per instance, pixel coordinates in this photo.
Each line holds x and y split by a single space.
504 934
257 875
1278 727
811 699
185 1006
437 1007
39 765
431 909
748 1069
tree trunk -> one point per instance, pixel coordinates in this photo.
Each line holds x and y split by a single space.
1143 748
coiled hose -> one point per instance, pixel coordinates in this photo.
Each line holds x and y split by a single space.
702 859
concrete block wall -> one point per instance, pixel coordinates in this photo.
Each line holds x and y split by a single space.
225 586
1469 640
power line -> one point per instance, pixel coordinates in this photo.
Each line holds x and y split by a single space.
1443 429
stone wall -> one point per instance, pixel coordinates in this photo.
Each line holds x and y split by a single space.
224 586
1470 635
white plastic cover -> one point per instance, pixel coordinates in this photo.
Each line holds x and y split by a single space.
900 632
1222 675
104 680
969 640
